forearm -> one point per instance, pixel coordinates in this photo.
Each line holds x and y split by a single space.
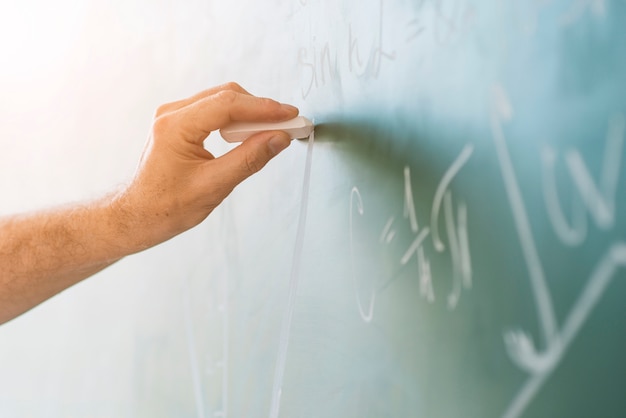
43 253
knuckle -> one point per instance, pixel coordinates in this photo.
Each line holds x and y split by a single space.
272 107
162 124
162 110
269 103
252 164
233 86
226 97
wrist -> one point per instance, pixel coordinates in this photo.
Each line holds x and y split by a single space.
144 216
134 225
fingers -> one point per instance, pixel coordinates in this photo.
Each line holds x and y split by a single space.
198 119
249 157
190 121
179 104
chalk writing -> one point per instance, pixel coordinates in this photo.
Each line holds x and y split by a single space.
376 53
600 202
368 314
597 198
452 20
387 235
281 358
455 224
539 364
223 365
198 391
320 66
409 202
441 189
575 233
361 48
415 29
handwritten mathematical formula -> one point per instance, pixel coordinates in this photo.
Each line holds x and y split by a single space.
363 47
457 244
361 52
595 199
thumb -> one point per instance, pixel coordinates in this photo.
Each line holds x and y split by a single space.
251 156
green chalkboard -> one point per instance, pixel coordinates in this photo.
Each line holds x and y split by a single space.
450 243
463 252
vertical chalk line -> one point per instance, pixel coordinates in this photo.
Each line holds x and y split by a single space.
531 256
281 358
409 202
570 235
426 279
367 317
447 178
466 258
600 201
455 252
193 357
556 342
225 350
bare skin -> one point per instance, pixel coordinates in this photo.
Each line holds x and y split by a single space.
177 185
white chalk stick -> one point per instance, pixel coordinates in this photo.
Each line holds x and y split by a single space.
298 127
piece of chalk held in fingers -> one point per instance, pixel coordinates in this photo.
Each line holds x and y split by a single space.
298 127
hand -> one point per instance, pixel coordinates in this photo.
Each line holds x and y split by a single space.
178 182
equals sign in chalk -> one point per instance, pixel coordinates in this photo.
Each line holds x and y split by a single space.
298 127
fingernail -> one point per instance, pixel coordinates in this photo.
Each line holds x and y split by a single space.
278 143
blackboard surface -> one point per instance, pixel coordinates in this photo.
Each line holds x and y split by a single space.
451 243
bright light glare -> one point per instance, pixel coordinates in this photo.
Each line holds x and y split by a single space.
36 36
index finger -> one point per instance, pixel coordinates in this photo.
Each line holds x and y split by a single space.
173 106
197 120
